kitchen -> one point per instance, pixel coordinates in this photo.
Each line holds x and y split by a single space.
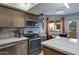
39 28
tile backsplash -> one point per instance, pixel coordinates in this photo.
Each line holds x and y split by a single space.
34 30
7 33
4 36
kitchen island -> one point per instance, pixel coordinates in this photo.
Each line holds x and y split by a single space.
61 46
14 46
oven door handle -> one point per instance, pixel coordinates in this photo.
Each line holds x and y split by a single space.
35 39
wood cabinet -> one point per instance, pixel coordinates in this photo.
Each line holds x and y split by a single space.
11 18
73 34
18 19
5 17
14 18
7 49
17 48
49 51
22 48
31 16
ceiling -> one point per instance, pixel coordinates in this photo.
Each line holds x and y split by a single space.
22 6
46 8
51 8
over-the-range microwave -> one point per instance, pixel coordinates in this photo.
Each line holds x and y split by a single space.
31 23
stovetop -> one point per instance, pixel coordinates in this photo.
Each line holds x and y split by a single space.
31 36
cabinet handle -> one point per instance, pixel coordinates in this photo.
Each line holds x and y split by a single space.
10 23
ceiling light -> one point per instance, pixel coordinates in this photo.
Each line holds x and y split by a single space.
25 4
22 4
60 12
66 4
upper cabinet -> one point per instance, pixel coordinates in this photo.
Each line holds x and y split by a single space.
14 18
31 16
11 18
18 19
5 17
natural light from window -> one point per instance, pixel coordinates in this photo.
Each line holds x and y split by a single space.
51 26
55 26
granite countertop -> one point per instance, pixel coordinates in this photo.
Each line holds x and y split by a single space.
62 44
11 40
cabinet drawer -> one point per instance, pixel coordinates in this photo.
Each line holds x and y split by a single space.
7 49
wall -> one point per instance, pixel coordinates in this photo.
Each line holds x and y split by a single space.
42 22
7 32
33 29
73 17
68 18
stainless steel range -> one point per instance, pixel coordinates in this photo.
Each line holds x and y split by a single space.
34 43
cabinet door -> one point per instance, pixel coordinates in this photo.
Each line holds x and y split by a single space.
21 48
31 16
5 17
17 48
18 19
8 49
49 51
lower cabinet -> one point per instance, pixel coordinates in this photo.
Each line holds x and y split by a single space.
73 34
49 51
9 50
19 48
43 38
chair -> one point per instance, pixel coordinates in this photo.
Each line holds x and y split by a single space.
63 35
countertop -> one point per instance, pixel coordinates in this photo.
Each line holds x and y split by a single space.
66 45
11 40
42 34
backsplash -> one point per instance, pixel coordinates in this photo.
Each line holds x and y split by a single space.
34 30
7 33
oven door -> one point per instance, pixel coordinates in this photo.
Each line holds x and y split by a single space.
34 46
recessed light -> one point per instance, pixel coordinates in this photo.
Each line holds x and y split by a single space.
60 12
66 4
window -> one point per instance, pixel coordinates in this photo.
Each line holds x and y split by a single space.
51 26
58 26
55 26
